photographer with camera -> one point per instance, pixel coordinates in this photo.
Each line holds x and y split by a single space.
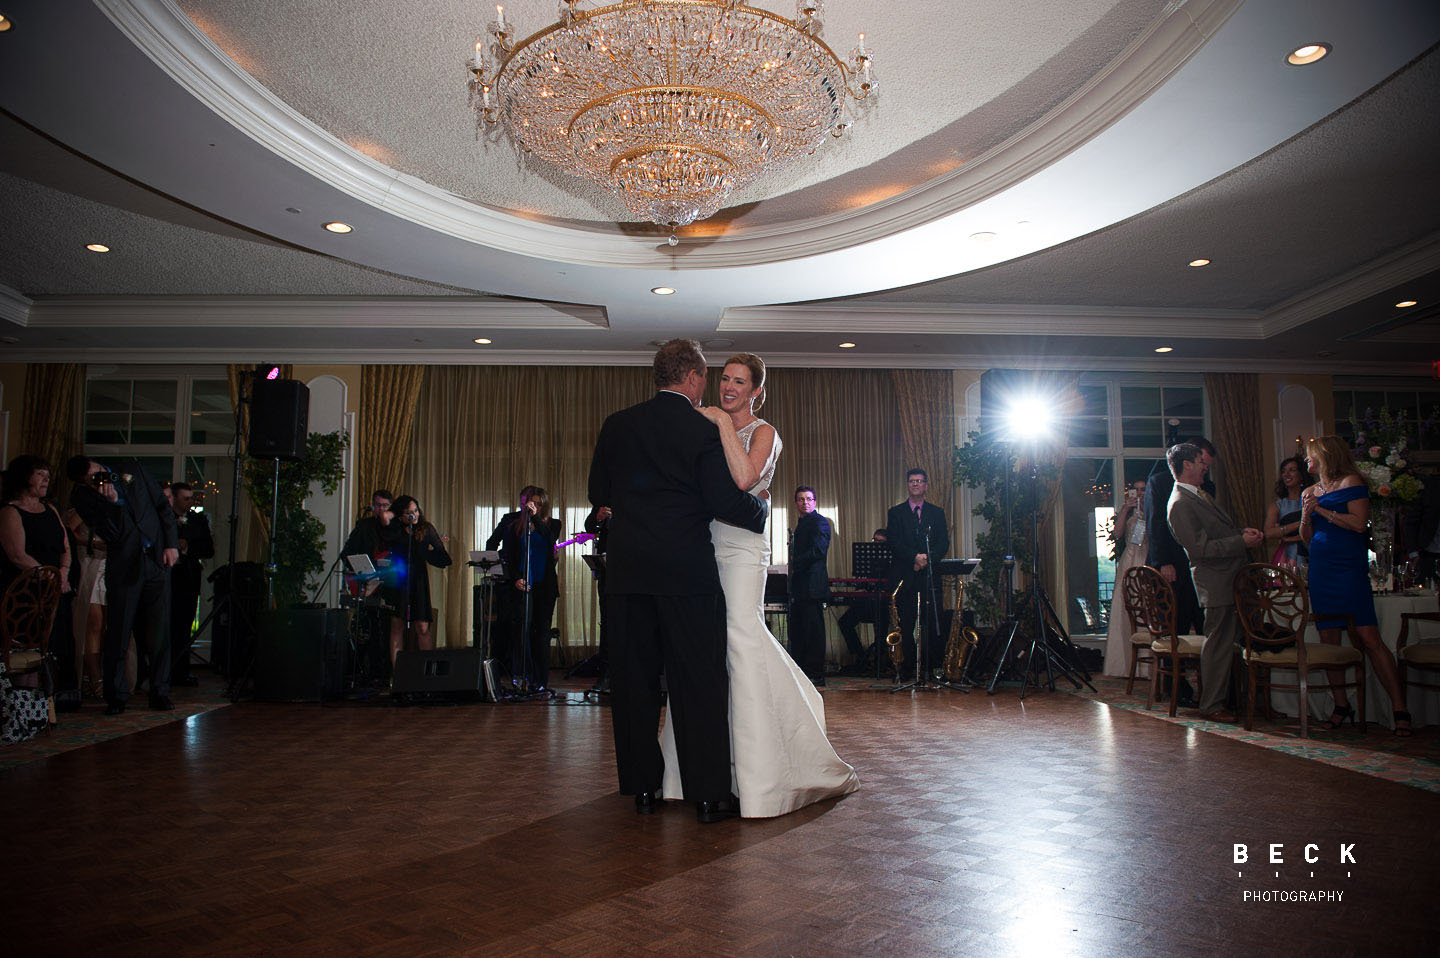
129 510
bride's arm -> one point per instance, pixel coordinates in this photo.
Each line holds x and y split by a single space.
742 467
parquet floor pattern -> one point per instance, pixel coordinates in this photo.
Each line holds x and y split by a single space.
983 826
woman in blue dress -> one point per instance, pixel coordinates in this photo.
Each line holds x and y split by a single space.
1333 516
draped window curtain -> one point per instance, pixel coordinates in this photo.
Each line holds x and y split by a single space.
483 432
388 399
50 418
1236 431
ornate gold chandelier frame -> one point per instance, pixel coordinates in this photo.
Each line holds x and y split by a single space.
670 104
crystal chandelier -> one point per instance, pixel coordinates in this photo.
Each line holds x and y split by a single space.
670 104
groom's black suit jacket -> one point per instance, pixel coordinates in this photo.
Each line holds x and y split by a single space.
660 468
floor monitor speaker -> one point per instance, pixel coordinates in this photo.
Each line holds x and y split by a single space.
440 674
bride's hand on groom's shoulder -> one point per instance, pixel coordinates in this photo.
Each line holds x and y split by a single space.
714 413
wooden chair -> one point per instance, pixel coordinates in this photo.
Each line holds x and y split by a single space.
1171 652
27 614
1273 605
1424 656
1140 637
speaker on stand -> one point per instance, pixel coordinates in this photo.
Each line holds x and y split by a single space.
279 419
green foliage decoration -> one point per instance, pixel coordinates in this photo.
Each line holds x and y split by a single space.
300 540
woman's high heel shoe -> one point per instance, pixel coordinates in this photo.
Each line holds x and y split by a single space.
1337 718
1403 731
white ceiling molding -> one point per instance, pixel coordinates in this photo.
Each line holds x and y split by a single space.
493 357
260 312
14 306
1401 266
175 44
998 319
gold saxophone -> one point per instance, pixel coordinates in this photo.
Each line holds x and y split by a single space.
897 654
961 639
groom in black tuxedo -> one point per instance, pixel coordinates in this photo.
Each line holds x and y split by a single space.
660 468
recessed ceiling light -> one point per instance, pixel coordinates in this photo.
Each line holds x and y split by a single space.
1199 262
982 237
1309 53
482 341
1405 304
339 227
847 345
662 291
1164 349
97 247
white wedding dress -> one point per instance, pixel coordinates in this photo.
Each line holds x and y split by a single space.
780 759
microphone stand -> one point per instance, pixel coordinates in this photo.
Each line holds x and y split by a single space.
924 623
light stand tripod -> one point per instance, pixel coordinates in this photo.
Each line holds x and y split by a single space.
1028 661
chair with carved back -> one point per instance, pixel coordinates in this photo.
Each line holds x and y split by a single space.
1174 654
1273 605
27 615
1422 656
1140 637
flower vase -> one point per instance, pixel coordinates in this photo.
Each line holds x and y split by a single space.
1382 548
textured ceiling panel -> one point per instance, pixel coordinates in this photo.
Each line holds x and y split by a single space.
1345 192
958 77
42 253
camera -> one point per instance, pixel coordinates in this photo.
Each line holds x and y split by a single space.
100 478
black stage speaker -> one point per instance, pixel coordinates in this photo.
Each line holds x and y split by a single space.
279 419
440 674
300 654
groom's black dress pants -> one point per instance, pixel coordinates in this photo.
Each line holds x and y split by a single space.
683 635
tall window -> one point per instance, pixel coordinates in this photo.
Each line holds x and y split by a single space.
178 424
1121 429
1420 406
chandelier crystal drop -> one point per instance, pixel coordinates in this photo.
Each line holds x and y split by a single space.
670 104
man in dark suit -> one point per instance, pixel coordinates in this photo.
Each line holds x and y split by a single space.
1216 549
128 509
918 538
660 468
809 586
1162 552
196 544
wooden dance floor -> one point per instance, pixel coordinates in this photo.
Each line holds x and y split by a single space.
983 826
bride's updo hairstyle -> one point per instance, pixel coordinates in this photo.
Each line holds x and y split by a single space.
756 365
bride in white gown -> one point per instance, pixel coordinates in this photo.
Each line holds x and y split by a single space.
780 758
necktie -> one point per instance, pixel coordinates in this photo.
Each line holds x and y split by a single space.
917 513
1206 496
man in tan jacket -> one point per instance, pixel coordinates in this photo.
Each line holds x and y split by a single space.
1216 549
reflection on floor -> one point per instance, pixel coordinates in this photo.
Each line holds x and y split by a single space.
984 825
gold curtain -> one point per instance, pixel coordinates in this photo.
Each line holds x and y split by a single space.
50 418
483 432
388 399
925 399
1235 430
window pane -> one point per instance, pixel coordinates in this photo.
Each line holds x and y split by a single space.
1368 403
1140 401
1088 493
1089 433
1143 469
107 395
1187 429
1093 401
155 394
1185 402
152 428
161 467
107 428
1344 405
210 395
208 428
1406 402
1143 433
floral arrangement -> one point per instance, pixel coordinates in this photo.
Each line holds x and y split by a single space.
1381 444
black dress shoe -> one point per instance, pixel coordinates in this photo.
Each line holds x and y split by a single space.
717 811
646 803
161 703
115 707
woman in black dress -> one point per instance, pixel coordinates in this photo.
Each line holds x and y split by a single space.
413 544
32 535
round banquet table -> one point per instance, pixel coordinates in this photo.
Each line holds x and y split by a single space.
1424 703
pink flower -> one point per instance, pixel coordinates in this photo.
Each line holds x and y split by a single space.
1374 452
1384 491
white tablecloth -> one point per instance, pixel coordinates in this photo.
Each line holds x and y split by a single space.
1424 703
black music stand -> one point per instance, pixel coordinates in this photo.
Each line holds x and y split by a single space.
870 560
